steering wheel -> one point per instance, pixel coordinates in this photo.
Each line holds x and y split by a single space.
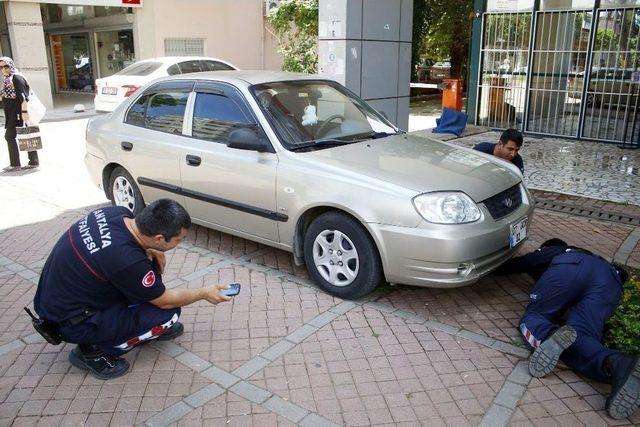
321 129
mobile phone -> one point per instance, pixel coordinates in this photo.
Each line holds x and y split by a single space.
232 291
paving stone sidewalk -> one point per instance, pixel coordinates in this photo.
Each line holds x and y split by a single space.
285 353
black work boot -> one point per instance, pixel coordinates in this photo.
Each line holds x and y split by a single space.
545 358
624 373
174 331
101 365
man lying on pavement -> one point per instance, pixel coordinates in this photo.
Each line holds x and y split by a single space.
588 289
101 287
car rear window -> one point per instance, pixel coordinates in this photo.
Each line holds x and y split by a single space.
192 66
215 66
140 69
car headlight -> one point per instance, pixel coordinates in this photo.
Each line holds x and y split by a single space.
447 208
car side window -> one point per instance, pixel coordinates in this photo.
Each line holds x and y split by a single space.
173 70
192 66
215 116
215 66
165 111
135 115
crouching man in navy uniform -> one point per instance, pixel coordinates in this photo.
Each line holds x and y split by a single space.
587 289
102 285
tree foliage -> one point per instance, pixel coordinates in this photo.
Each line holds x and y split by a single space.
622 331
295 23
441 30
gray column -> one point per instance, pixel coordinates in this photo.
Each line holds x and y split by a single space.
366 46
27 44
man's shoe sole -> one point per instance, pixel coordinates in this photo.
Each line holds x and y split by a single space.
176 330
627 399
545 358
80 364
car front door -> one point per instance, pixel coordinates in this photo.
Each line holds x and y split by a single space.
229 188
151 138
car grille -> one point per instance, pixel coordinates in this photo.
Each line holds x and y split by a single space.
502 204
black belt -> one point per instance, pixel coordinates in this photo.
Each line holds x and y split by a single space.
77 319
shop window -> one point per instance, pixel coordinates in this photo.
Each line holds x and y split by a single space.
73 64
216 116
115 51
184 47
165 112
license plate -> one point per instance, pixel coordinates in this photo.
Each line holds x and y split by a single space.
518 232
109 90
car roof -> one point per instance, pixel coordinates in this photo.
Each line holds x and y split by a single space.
174 59
251 77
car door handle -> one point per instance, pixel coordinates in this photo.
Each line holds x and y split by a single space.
126 146
193 160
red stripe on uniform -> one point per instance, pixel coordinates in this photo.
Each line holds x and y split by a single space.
82 259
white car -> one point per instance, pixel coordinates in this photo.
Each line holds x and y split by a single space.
112 90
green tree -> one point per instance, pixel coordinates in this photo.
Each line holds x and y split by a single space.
442 28
295 23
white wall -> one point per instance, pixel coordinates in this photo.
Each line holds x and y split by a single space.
233 30
27 44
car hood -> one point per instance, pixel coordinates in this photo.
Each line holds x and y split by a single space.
421 164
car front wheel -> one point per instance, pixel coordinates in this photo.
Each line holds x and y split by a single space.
341 256
124 191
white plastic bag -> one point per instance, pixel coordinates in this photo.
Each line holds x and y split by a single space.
35 108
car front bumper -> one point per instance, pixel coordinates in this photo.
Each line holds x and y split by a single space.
447 256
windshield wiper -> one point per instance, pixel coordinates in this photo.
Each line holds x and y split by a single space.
376 135
329 142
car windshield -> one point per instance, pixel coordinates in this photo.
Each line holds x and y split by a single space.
140 69
308 113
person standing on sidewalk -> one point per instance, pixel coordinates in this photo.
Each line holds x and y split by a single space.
15 95
102 285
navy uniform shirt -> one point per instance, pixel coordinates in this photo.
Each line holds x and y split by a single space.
534 263
488 147
97 263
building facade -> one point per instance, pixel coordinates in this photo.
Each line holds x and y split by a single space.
568 68
64 46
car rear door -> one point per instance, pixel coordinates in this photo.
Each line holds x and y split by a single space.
229 188
152 142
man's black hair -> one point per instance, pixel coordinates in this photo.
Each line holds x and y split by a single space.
512 135
165 216
555 242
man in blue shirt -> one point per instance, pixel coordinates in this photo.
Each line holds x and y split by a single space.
507 148
587 289
102 285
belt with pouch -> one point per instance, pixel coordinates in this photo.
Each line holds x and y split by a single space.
76 320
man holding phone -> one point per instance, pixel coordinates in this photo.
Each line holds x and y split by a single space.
101 287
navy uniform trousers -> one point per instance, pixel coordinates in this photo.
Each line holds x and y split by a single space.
119 328
590 289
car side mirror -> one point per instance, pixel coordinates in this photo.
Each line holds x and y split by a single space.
247 139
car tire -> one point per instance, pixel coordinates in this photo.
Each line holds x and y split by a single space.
124 191
353 269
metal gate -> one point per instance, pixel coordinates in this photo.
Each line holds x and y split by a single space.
568 73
